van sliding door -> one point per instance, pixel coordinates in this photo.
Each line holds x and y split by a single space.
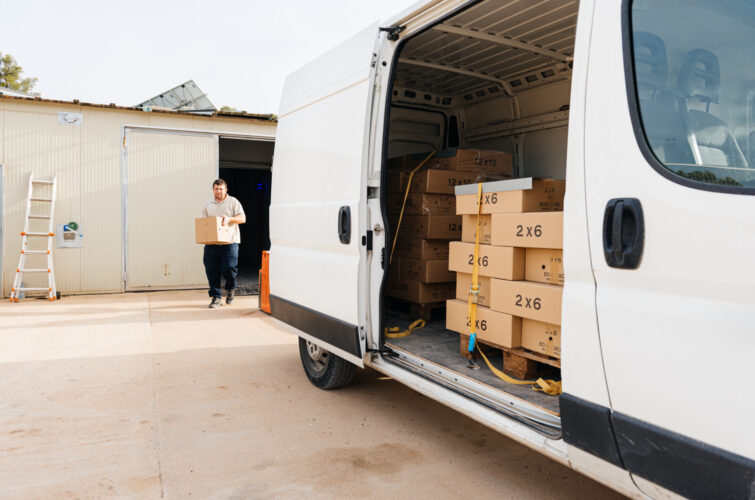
319 196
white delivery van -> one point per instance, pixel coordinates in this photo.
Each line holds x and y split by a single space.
646 108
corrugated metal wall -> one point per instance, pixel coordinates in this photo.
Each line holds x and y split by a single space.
87 160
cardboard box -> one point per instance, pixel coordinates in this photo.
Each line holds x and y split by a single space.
500 329
413 248
394 268
544 265
546 195
210 231
494 262
469 226
440 181
419 293
423 204
496 163
426 271
541 337
429 227
463 284
526 299
530 230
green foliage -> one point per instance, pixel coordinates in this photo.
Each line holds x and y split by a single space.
10 75
228 109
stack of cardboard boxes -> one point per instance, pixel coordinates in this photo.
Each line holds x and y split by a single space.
520 266
419 270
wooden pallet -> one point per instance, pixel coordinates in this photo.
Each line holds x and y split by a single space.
517 362
414 310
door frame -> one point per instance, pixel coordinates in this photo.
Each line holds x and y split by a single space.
125 130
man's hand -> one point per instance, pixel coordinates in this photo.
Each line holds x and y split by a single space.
224 220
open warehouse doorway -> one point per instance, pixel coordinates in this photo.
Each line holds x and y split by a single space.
245 165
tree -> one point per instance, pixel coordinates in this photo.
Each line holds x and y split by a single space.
10 75
228 109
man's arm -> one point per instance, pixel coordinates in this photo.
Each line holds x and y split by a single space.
239 219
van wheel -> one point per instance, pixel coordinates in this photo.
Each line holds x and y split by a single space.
325 369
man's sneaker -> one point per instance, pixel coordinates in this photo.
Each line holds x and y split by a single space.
229 297
215 303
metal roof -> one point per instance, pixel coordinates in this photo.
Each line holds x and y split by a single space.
505 45
76 102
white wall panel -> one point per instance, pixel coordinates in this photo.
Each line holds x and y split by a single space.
169 179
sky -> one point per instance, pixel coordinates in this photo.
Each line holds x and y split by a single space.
238 52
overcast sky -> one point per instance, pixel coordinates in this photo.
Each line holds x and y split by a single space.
238 52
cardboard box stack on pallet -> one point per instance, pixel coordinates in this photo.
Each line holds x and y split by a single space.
419 271
521 272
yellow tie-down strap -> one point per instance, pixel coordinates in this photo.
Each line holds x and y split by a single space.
396 332
550 387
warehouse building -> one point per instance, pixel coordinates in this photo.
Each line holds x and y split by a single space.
130 183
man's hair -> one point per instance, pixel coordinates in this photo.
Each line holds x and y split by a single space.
219 182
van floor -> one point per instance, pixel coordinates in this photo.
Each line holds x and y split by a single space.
436 344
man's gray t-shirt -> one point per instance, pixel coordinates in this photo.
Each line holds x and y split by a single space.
229 207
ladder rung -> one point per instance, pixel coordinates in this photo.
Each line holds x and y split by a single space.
31 252
33 289
41 199
33 270
37 234
39 216
41 182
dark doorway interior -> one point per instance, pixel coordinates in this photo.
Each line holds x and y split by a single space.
245 166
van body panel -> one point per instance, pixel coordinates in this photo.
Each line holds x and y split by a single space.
318 175
691 299
582 363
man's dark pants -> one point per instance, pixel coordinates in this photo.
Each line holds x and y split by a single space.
221 260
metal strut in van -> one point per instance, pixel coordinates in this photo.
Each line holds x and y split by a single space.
550 387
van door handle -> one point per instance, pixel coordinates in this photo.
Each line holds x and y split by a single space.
623 233
344 224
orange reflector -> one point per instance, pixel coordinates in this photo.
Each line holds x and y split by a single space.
52 234
264 297
23 233
48 252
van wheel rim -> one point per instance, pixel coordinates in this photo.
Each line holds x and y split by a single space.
317 354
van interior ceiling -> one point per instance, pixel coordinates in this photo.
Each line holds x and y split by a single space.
495 76
245 165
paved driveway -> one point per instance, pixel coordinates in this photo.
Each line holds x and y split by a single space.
153 395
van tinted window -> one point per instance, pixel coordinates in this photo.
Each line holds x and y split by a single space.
694 70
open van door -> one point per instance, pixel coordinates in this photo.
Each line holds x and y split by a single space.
319 198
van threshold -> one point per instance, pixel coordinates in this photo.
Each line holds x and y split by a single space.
542 421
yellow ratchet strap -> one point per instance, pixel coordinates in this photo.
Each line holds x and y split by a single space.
403 205
550 387
396 332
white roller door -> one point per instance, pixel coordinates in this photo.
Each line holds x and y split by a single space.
168 176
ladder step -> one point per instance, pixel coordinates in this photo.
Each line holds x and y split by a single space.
42 182
37 234
34 270
32 252
41 199
39 216
33 289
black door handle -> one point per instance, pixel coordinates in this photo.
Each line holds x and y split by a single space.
344 225
623 233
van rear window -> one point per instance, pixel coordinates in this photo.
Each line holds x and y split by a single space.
694 71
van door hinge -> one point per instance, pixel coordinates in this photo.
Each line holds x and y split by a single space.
393 32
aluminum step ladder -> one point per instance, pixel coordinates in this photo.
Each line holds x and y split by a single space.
46 200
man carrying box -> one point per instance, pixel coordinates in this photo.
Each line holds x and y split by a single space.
222 260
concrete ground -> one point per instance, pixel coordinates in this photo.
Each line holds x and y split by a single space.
153 395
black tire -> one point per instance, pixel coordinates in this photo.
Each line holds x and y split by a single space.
324 369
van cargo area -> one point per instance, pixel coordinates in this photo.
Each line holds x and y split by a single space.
481 96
